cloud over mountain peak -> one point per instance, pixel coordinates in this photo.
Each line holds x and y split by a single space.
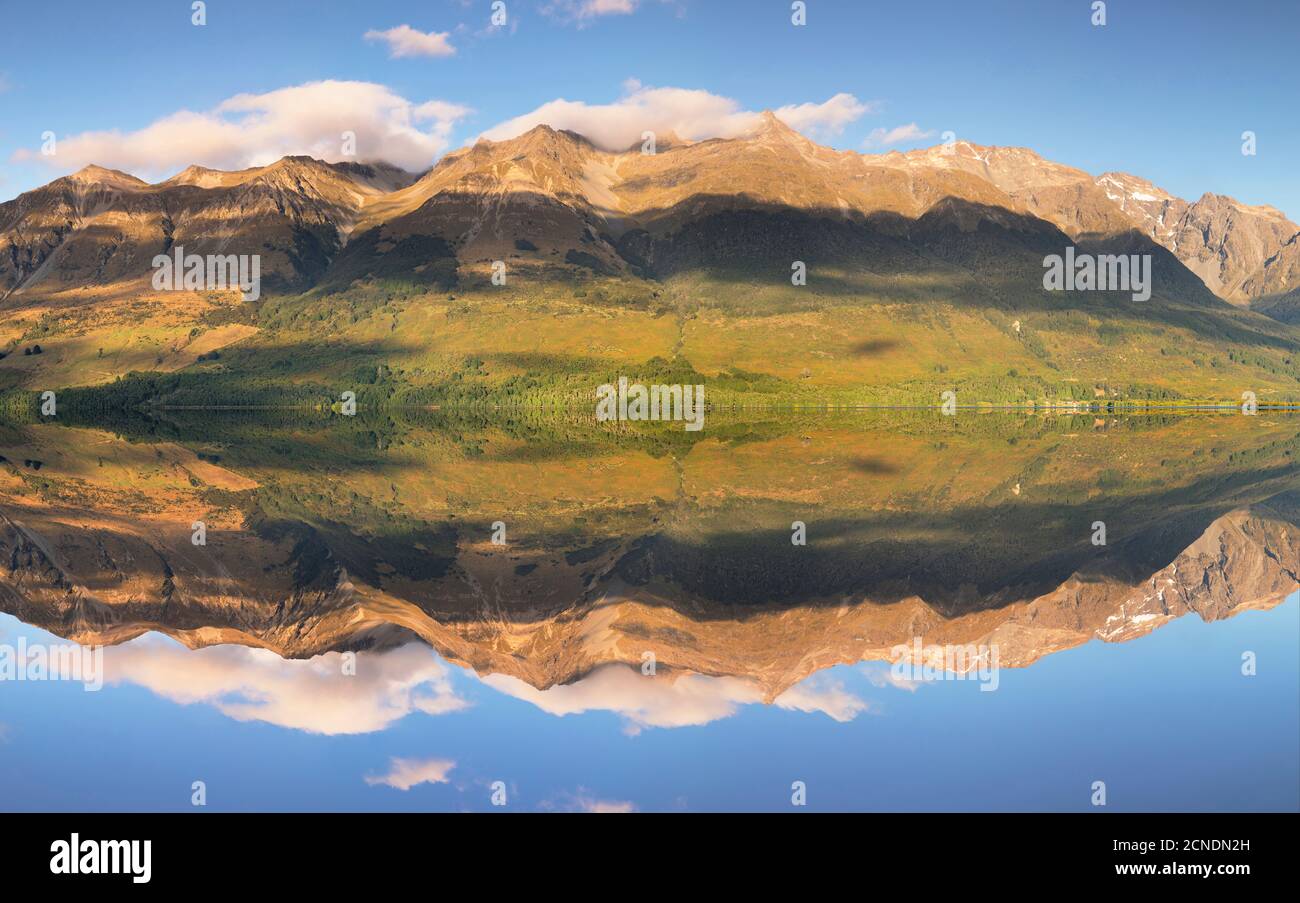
691 113
256 129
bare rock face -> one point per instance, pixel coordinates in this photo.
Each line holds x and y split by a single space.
1241 253
1237 250
1245 255
102 228
1280 274
92 227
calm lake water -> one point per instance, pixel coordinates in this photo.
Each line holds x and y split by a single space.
425 611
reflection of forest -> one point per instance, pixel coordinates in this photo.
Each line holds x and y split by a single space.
328 533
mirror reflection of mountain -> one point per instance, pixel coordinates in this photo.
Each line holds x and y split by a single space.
333 533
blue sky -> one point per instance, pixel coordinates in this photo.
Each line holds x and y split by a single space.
1163 90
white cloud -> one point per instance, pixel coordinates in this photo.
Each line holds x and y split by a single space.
403 774
897 135
690 113
671 700
608 7
257 129
581 11
827 118
407 41
313 695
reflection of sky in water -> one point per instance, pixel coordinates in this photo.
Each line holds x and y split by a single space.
1166 720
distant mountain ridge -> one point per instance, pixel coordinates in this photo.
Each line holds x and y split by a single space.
552 194
1241 253
100 226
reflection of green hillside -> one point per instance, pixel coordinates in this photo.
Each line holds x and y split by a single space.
895 503
995 502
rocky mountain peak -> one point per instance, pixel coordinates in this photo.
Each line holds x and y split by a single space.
93 174
771 128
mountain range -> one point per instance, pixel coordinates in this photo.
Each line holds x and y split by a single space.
695 230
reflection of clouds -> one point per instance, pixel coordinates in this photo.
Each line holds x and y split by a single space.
882 675
826 696
584 801
673 700
587 804
313 695
403 774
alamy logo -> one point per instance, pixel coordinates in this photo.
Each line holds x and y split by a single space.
917 662
638 402
61 661
103 857
211 273
1101 273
